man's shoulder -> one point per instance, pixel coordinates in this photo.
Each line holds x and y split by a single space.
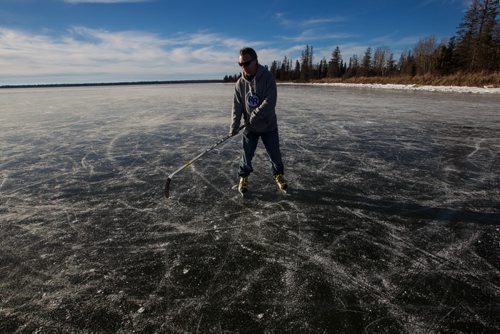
266 76
240 81
265 73
263 70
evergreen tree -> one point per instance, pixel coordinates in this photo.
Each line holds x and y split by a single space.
444 57
476 47
231 78
366 63
343 68
391 65
306 68
285 69
353 68
334 66
323 68
274 69
296 71
289 69
467 35
406 64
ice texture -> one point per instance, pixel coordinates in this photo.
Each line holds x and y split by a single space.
391 223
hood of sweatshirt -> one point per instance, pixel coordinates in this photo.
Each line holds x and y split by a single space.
258 73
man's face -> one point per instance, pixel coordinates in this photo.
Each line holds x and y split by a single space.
248 64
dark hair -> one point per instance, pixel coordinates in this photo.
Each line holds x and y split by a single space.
248 51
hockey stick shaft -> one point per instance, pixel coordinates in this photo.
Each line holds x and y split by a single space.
189 163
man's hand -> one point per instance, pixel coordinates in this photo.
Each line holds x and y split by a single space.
253 119
233 132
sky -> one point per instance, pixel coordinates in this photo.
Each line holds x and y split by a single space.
87 41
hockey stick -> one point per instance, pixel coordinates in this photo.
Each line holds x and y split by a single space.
189 163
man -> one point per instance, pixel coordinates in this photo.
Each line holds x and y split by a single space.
255 99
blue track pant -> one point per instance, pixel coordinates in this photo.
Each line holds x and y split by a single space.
271 143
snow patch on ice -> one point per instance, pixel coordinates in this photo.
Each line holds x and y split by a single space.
427 88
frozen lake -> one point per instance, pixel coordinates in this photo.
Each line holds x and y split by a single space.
392 223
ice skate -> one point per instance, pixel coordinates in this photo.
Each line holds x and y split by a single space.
243 185
281 182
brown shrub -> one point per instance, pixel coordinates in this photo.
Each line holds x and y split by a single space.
480 79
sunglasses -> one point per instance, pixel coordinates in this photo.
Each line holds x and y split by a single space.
246 63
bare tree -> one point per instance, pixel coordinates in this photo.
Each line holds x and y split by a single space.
477 44
380 58
423 53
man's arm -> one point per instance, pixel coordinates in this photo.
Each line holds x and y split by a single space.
236 113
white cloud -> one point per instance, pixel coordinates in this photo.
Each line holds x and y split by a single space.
425 3
84 52
318 21
347 50
393 41
313 34
312 29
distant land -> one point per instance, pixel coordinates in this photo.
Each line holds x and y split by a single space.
113 83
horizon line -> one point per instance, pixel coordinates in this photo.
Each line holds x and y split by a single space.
118 83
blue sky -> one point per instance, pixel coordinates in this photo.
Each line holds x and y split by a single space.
74 41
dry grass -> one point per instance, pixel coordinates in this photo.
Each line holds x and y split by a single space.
491 80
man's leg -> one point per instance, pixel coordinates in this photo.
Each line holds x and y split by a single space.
250 140
272 143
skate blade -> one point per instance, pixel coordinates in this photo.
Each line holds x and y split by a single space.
284 191
243 194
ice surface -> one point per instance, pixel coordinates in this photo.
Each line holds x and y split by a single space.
391 224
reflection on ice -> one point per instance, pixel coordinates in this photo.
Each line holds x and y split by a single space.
391 224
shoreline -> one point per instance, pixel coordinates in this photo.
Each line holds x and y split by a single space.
386 86
124 83
408 87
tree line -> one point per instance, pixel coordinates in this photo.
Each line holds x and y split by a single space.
474 48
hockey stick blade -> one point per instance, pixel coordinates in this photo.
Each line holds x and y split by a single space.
167 187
